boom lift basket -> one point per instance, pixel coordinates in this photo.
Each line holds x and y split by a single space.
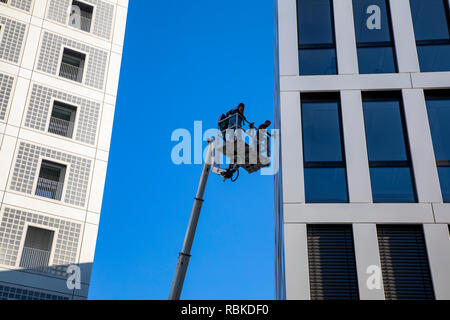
243 149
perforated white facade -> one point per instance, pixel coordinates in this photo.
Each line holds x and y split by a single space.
59 75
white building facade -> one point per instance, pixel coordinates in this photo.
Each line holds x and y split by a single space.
59 73
363 104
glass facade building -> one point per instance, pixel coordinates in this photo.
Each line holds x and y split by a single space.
363 104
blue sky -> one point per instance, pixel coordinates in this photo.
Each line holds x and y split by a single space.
185 61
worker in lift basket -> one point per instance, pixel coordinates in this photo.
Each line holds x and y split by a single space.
235 121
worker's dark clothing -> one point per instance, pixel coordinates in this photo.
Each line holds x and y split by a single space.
222 125
235 121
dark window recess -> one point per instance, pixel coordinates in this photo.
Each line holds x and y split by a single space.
323 149
332 266
438 106
316 40
404 263
72 65
376 53
62 119
432 31
391 173
51 180
37 249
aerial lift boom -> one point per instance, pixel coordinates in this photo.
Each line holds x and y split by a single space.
185 254
232 153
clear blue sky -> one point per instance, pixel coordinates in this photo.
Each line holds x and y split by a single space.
185 61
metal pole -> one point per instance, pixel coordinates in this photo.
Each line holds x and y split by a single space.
183 258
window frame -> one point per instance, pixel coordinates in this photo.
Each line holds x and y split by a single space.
320 45
312 97
24 236
433 42
378 44
85 64
42 159
389 96
75 121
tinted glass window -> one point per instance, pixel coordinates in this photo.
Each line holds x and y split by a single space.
325 185
429 19
324 162
361 16
321 131
376 60
315 22
434 58
373 31
389 160
384 130
444 178
317 61
317 49
392 184
439 117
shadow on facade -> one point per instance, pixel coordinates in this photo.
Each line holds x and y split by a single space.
68 282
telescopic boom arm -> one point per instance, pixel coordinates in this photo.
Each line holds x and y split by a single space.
185 254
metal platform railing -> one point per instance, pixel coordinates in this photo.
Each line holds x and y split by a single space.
69 71
49 189
228 129
35 259
61 127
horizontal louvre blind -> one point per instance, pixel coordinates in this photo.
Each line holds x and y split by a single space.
404 261
332 268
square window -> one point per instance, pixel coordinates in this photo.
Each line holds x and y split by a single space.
72 65
37 249
51 180
62 119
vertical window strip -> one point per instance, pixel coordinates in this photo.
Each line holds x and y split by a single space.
320 171
317 51
409 193
376 48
